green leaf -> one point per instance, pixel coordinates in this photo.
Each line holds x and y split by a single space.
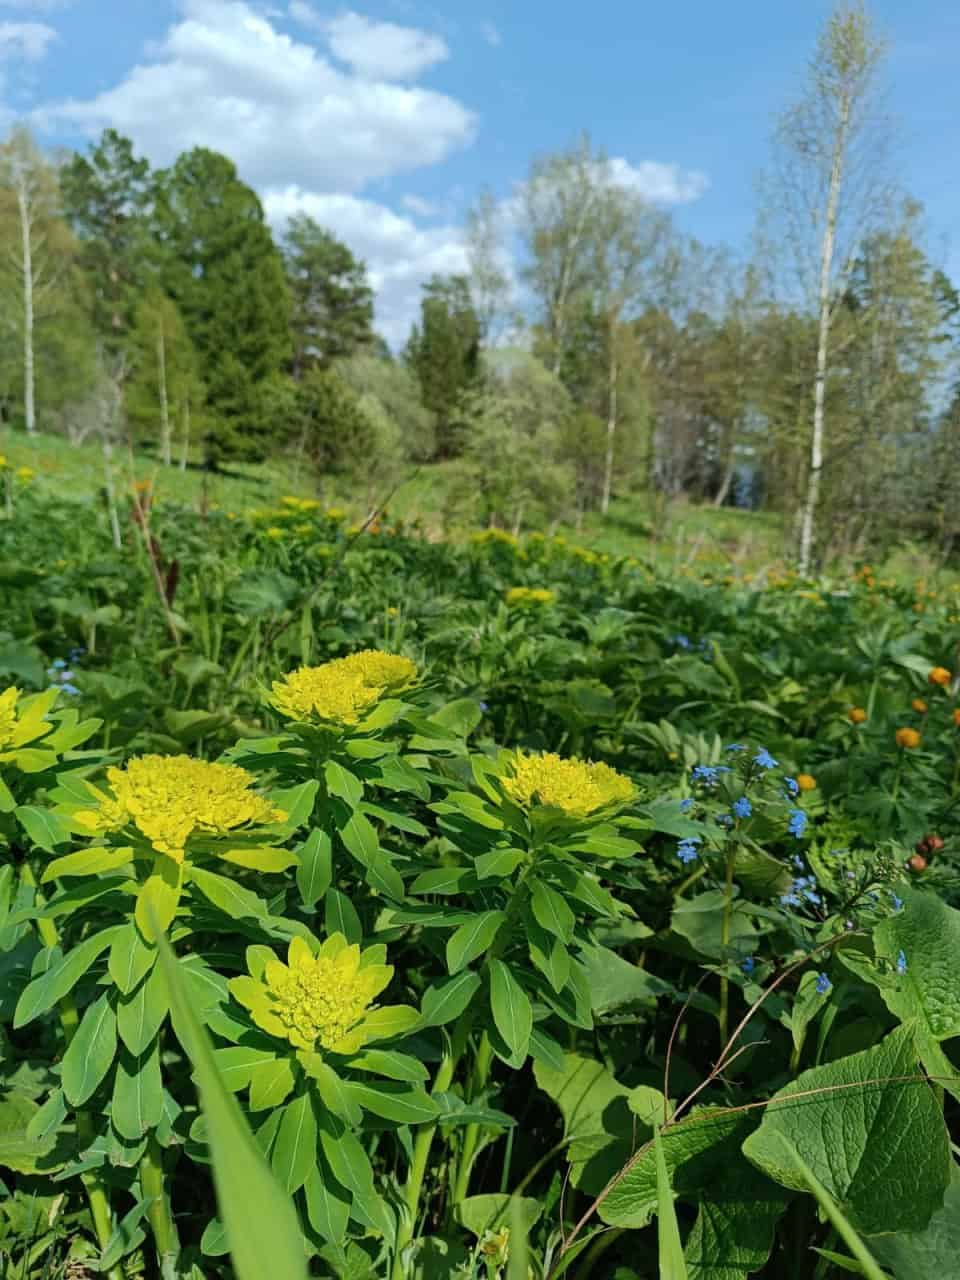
127 1235
18 1150
271 1083
700 921
876 1128
90 1053
230 897
141 1013
237 1064
130 958
44 827
927 931
247 1192
669 1248
735 1228
137 1093
43 992
333 1092
87 862
295 1150
402 1103
480 1214
263 858
328 1205
443 880
472 939
552 911
159 897
315 872
511 1008
390 1063
297 802
498 864
340 917
930 1254
341 782
360 838
446 1001
615 983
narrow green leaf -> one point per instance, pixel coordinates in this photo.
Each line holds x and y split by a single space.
446 1001
340 916
90 1053
137 1093
472 939
315 872
43 992
669 1248
141 1013
511 1009
295 1149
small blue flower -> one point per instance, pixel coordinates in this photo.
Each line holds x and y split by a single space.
823 984
76 654
706 774
484 706
723 820
798 861
748 965
895 902
58 664
793 787
742 808
791 899
71 689
735 746
686 805
764 759
901 963
798 823
682 642
687 850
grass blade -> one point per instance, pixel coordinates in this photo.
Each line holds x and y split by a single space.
672 1264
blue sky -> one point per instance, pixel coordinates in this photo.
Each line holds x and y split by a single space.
384 119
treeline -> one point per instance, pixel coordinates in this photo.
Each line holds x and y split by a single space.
619 357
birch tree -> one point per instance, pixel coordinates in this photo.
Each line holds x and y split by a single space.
38 249
831 143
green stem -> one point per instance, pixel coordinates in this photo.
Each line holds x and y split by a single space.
599 1247
158 1215
97 1196
724 943
896 777
418 1168
471 1135
692 878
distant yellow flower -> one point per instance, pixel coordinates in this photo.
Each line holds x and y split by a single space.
940 676
529 595
170 798
274 531
907 739
341 692
495 535
317 1001
300 504
3 461
920 706
576 787
856 715
25 473
392 611
806 781
335 513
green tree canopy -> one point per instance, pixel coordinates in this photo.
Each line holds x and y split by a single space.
331 301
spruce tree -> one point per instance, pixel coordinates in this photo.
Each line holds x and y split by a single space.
444 353
331 300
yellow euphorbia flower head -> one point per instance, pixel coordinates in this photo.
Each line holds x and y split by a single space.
170 798
321 1001
576 787
341 692
530 595
8 715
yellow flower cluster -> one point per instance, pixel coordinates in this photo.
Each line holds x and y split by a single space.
341 692
576 787
8 716
529 595
170 798
316 1000
300 504
499 536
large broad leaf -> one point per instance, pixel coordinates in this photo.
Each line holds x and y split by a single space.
700 921
259 592
18 1150
603 1121
733 1234
927 933
930 1254
870 1128
480 1214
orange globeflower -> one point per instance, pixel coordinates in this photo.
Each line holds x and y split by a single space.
856 715
956 716
907 738
806 781
939 675
918 704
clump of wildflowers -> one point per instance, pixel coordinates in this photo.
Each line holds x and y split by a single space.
343 691
529 595
576 787
170 798
323 1001
797 823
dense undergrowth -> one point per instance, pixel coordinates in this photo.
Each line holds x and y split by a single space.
467 990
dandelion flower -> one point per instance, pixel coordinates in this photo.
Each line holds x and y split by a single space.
576 787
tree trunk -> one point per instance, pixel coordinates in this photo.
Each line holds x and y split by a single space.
611 430
808 518
29 406
725 484
186 435
165 448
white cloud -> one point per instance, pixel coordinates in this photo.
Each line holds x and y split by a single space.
399 255
383 50
660 183
491 34
27 40
423 208
225 77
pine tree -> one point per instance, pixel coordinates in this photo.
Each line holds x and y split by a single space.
444 353
220 265
106 198
331 300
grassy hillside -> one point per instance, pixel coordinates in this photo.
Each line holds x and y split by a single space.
721 541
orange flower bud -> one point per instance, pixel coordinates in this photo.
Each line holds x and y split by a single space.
856 715
939 675
907 738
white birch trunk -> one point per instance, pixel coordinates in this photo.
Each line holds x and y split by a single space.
165 443
611 430
29 375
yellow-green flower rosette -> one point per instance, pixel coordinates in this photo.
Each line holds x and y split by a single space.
577 789
341 694
169 811
322 1002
